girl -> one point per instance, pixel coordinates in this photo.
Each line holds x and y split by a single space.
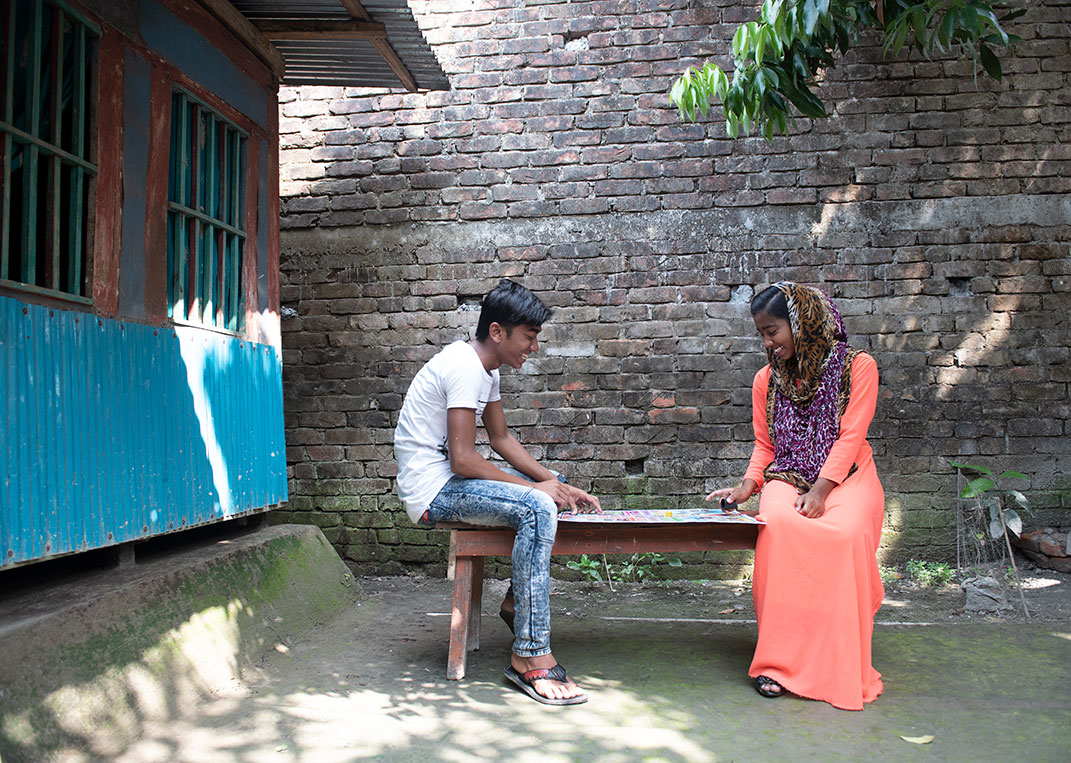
816 584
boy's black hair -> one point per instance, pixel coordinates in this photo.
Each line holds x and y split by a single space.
509 304
771 301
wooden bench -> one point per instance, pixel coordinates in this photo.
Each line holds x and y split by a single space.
469 544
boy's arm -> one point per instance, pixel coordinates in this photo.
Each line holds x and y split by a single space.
465 460
506 445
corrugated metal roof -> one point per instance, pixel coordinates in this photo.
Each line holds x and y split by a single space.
352 63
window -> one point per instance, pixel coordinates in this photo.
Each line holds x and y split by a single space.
47 67
205 233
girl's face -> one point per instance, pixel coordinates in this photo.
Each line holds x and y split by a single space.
776 336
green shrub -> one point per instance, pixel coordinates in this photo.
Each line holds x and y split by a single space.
930 574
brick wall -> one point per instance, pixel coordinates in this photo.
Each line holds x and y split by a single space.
934 208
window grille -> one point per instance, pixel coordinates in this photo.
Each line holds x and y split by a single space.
205 233
47 72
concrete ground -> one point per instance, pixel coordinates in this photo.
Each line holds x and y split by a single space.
664 665
666 676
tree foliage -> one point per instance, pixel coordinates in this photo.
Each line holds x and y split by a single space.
777 58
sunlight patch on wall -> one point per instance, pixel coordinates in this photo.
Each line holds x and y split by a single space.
201 357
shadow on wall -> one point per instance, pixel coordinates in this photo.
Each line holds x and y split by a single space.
931 206
972 363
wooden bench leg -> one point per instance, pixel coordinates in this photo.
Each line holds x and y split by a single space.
476 603
461 616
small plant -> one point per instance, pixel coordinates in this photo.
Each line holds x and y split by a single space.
990 518
635 569
930 574
587 567
889 574
640 566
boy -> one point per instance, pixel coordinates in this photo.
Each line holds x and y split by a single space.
442 477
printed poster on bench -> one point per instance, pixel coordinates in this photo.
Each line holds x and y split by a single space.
663 516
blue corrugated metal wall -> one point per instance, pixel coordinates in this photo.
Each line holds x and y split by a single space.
113 432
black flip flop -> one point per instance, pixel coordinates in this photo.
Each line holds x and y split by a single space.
557 673
768 687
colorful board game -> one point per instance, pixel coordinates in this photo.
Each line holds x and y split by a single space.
662 516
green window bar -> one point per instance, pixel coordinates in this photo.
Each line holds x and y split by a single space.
205 235
47 69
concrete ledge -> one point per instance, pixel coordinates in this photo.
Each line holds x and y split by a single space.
84 664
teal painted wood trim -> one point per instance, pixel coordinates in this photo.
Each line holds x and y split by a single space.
113 432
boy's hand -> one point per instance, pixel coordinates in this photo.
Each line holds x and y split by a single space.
570 498
586 503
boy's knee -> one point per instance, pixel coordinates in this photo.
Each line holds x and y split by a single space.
543 512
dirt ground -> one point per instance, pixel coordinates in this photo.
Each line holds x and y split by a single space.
1047 595
665 665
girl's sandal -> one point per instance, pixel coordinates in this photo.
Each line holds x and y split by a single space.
768 687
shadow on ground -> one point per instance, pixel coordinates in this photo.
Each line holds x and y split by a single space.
665 668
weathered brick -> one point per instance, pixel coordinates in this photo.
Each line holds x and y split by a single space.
928 205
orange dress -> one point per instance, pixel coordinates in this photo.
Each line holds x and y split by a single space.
816 583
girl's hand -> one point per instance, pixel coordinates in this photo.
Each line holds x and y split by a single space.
736 495
812 504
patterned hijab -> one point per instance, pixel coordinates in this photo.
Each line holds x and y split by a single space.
808 393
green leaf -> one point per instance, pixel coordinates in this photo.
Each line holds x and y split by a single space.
803 99
719 82
996 529
992 19
977 486
994 508
677 90
760 83
810 16
760 44
947 29
918 23
1016 475
1019 499
896 34
739 38
675 562
969 20
971 467
1013 522
990 62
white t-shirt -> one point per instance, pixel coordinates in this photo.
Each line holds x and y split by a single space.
454 378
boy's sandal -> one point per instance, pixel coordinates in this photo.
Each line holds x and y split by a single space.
526 681
768 687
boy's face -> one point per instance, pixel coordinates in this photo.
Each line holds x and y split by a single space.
515 343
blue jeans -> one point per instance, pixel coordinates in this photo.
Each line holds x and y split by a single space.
534 515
